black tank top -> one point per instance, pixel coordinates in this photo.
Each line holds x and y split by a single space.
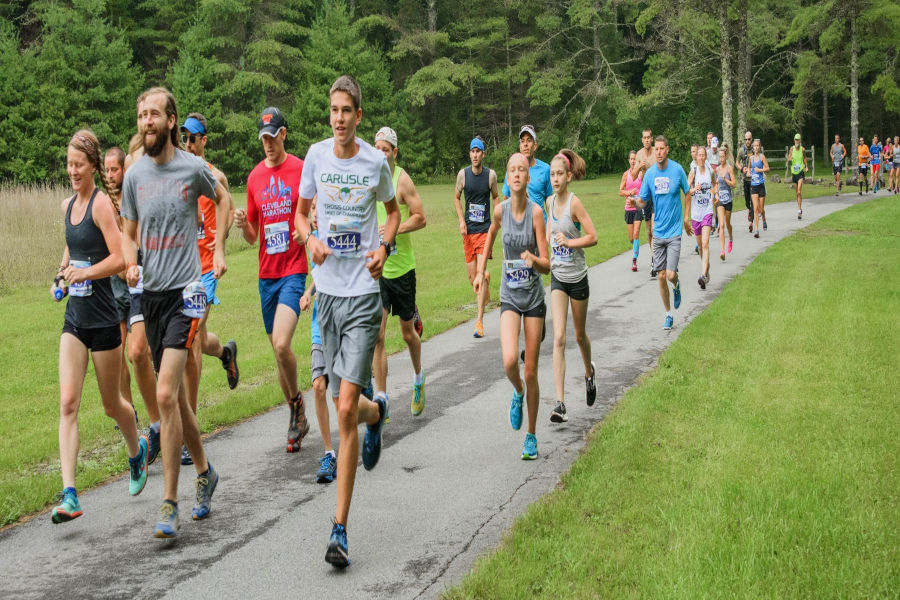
478 193
87 244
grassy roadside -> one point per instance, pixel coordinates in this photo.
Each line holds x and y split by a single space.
770 474
29 402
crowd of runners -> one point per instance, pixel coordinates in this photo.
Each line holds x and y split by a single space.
143 259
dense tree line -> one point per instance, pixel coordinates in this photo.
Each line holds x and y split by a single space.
588 74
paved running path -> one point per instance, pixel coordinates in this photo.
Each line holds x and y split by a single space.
448 484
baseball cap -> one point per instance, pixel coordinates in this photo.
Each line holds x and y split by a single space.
714 143
529 129
476 143
194 126
797 136
388 135
271 121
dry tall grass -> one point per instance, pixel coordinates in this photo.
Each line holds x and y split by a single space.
32 235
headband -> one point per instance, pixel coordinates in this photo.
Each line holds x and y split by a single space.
84 140
565 158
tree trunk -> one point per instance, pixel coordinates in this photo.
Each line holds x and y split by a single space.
727 101
744 66
854 89
824 119
509 123
431 6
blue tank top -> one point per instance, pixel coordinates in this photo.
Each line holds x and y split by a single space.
757 177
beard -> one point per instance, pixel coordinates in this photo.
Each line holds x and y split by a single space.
158 146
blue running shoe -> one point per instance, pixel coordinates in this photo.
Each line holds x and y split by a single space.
677 293
206 485
327 468
138 466
418 400
668 324
529 448
515 410
186 456
371 450
337 555
153 446
69 508
167 526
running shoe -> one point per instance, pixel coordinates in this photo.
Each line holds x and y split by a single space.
206 485
153 445
696 249
765 225
799 214
186 456
756 233
702 282
299 424
677 293
327 468
138 467
529 448
668 323
558 414
371 450
750 227
417 322
337 555
69 508
515 410
722 256
590 386
634 264
652 273
418 400
730 243
167 526
229 363
479 330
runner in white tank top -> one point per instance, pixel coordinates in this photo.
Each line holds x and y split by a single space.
700 186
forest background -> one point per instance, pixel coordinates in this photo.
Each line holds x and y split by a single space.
589 74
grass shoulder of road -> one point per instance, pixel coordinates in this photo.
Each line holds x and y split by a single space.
29 402
759 459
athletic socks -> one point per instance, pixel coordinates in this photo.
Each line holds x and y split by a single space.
70 490
419 378
635 248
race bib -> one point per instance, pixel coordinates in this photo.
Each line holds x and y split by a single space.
278 237
661 185
84 288
194 296
702 197
837 163
139 288
797 168
562 253
476 213
725 196
517 274
344 239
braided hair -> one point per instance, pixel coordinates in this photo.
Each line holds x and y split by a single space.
85 141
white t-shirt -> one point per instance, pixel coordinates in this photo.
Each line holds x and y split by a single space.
347 190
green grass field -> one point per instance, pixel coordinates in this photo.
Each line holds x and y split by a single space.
29 402
758 460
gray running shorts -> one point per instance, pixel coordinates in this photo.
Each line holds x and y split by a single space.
666 252
349 329
317 362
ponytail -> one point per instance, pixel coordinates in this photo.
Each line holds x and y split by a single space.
86 142
574 163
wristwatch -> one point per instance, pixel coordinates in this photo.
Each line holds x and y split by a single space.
387 246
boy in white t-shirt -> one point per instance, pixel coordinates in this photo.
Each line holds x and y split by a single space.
348 176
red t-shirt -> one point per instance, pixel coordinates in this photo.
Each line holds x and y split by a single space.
272 197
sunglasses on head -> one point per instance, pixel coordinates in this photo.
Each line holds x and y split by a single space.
190 137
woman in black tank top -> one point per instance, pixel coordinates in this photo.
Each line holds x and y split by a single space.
93 253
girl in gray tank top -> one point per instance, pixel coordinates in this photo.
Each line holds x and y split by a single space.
571 231
521 292
93 253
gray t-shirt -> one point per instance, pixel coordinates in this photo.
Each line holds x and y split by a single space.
520 285
163 200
